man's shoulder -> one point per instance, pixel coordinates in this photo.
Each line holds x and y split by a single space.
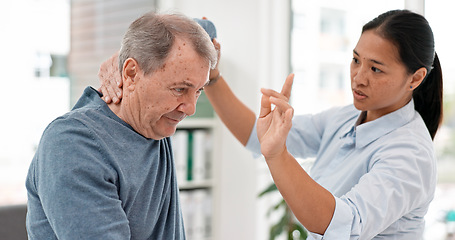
72 119
76 124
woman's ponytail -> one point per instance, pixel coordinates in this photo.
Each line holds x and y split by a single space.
428 98
413 37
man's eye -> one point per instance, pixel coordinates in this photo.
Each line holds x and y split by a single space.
199 92
355 60
179 91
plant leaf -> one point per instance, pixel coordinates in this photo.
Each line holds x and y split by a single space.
280 227
303 232
271 188
275 207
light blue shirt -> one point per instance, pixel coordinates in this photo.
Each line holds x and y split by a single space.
382 173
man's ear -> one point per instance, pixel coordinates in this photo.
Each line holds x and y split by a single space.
418 77
130 72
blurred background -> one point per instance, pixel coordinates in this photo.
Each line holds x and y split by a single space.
52 49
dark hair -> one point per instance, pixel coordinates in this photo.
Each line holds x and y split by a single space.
413 37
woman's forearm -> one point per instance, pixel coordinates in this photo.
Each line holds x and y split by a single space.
237 117
312 204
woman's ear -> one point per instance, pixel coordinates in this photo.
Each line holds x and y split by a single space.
418 77
129 73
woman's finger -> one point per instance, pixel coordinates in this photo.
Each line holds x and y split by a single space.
105 97
110 80
266 107
281 105
287 86
285 93
273 93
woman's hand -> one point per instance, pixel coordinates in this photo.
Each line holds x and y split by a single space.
273 125
215 72
110 79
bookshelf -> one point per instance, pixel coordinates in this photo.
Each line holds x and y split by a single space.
194 147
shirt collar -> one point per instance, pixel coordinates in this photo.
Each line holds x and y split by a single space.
368 132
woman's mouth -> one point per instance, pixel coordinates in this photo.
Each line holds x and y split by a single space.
358 95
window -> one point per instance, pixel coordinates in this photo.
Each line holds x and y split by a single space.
322 38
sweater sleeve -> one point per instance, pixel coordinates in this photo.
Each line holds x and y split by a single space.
77 187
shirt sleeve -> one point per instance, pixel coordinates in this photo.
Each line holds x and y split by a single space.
304 138
341 225
77 188
401 180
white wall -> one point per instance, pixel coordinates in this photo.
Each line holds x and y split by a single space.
27 102
254 53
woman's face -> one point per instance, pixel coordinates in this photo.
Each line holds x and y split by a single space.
379 80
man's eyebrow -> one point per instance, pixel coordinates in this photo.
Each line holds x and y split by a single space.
184 82
372 60
189 84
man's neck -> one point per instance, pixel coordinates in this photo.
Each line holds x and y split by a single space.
116 109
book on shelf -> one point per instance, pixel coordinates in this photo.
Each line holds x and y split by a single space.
180 148
197 213
192 154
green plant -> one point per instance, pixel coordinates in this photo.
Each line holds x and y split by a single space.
287 223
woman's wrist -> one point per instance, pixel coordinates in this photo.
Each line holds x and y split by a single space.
278 158
213 80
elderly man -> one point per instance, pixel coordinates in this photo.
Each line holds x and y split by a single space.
105 171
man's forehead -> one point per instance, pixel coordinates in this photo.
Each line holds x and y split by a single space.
184 60
182 44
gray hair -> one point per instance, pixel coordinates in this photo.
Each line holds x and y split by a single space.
150 38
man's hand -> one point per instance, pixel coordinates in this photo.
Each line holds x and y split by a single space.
111 81
273 125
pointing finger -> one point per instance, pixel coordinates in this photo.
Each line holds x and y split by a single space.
287 86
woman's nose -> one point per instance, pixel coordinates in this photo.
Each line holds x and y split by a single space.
360 77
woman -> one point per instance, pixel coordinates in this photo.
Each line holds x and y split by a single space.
375 170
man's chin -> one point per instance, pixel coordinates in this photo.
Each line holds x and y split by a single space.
162 133
169 131
163 129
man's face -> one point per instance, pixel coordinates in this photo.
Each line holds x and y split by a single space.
157 102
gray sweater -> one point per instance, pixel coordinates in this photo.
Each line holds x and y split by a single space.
94 177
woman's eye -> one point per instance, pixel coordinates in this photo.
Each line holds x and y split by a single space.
355 60
376 70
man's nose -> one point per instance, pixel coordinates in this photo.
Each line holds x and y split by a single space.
188 106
